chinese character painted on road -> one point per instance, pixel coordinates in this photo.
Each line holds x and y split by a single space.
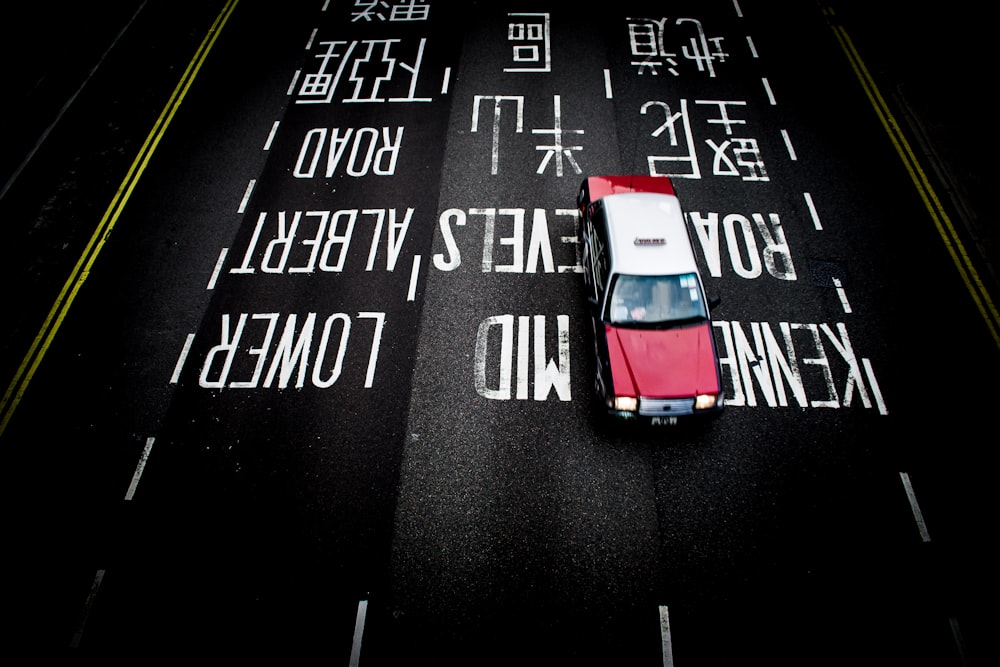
557 149
401 10
373 72
732 156
647 41
529 38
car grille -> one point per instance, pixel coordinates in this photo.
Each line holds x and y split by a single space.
665 407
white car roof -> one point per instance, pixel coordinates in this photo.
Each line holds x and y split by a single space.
648 235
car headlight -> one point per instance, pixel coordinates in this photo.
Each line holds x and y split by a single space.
626 403
705 401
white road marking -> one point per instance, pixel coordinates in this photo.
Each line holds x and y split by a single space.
139 468
218 268
246 195
767 89
812 212
607 84
665 641
78 635
414 274
446 81
842 294
879 401
359 631
181 359
753 49
270 137
915 508
788 145
295 80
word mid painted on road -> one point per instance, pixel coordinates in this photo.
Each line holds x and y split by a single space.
514 363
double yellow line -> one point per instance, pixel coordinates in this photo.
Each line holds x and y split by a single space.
973 283
15 391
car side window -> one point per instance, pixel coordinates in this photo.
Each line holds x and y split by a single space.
599 251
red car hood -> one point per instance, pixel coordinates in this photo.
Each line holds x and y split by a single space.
663 363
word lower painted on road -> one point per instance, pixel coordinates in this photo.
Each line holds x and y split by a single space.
275 351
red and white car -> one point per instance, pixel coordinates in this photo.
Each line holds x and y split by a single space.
656 355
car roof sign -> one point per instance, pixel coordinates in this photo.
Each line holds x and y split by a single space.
643 227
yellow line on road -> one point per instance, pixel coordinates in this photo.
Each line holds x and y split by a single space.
980 294
40 345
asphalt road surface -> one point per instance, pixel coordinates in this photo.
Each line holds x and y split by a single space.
295 351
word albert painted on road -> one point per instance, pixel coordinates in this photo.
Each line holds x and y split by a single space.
304 241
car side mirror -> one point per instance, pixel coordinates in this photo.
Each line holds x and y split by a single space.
714 301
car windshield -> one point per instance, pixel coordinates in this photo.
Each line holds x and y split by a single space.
655 300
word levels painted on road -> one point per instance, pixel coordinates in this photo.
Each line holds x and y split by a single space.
507 228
